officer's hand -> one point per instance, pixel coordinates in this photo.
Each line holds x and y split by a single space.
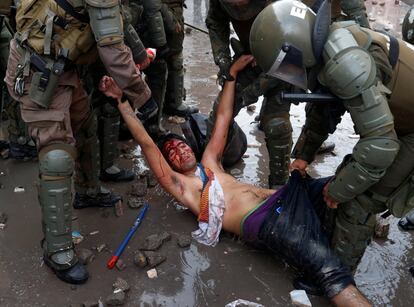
108 86
300 165
330 202
240 64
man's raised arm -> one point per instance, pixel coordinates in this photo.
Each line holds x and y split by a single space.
170 180
215 147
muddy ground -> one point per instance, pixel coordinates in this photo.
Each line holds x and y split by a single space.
196 275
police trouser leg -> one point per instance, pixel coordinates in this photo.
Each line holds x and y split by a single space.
175 83
108 131
156 79
18 132
88 159
56 165
278 131
356 10
152 10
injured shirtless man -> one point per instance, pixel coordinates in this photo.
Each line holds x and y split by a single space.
221 202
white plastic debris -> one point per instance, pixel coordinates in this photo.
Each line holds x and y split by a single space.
94 233
18 190
152 273
241 302
299 298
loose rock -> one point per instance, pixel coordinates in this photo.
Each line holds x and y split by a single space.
188 30
101 247
139 188
119 208
152 273
3 220
140 259
154 258
135 202
121 284
382 227
120 265
251 108
152 180
85 255
176 120
154 242
184 241
116 299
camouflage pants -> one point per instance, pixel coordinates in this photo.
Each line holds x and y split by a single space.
68 120
354 221
175 93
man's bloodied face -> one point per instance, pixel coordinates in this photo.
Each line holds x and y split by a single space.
179 155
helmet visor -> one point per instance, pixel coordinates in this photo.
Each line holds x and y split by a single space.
243 9
289 67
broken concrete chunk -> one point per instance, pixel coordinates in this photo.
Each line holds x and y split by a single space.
176 119
184 241
154 258
154 242
140 259
139 188
152 180
299 298
85 255
121 284
135 202
18 189
120 265
101 247
251 108
382 227
152 273
116 299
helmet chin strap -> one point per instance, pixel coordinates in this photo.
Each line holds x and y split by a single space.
321 28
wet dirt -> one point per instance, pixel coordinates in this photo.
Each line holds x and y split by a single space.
196 275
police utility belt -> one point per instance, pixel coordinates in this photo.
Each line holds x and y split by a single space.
46 72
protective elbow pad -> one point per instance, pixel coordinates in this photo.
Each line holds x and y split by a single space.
349 69
372 156
106 21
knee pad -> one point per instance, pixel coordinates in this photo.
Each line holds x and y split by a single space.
278 127
57 161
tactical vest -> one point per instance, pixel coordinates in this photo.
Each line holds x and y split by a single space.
401 100
49 30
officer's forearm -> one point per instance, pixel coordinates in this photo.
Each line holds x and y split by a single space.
120 65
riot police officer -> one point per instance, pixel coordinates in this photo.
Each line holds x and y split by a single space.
52 37
370 73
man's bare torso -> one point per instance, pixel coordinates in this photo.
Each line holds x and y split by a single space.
239 198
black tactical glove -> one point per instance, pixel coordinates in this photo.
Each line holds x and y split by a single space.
148 110
163 52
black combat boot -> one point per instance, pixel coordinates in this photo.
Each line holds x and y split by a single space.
182 110
76 274
21 152
121 176
100 199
